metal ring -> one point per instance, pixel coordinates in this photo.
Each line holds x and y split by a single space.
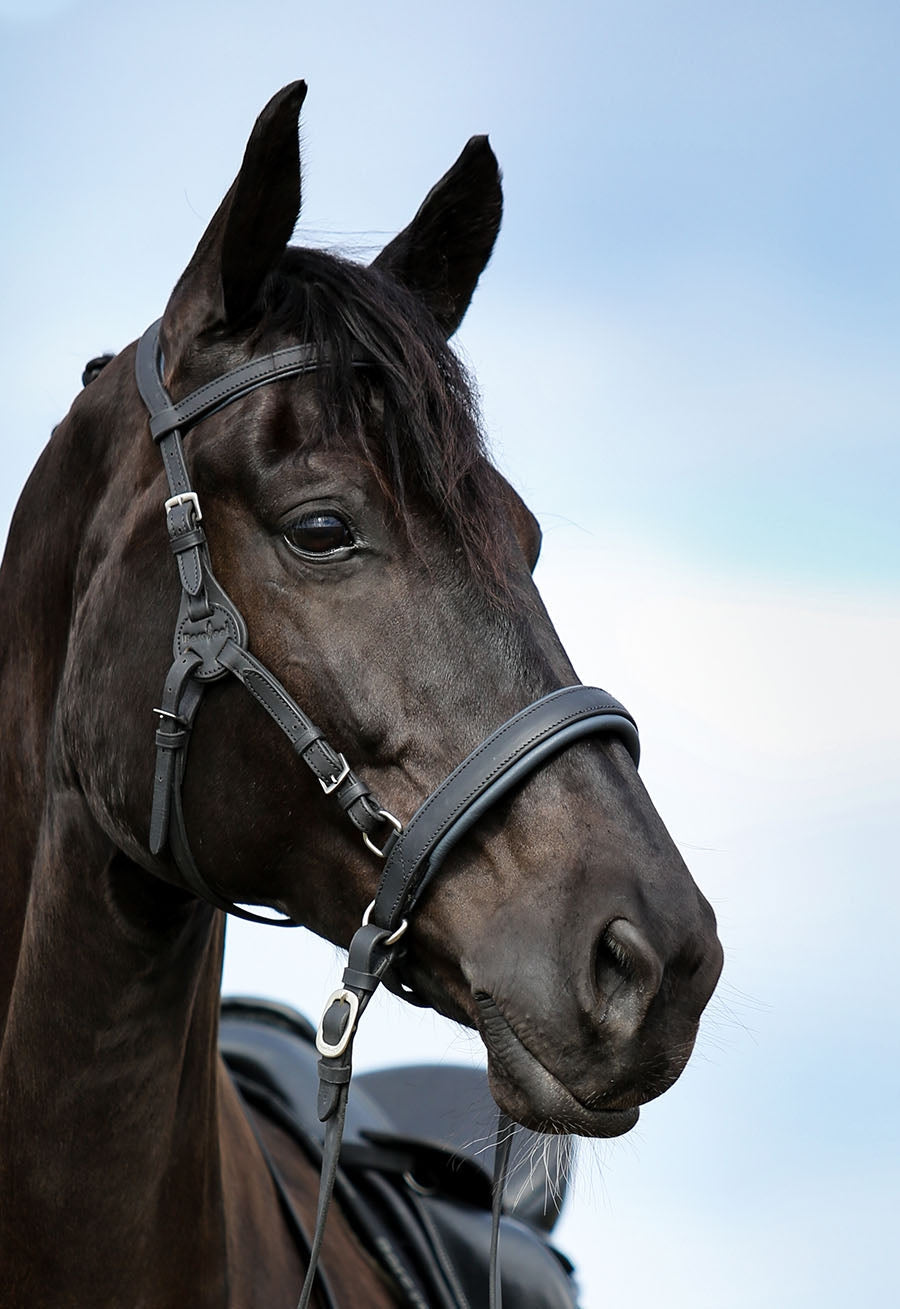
417 1186
388 818
395 937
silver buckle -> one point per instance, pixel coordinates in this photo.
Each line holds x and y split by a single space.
186 497
325 1048
329 784
394 822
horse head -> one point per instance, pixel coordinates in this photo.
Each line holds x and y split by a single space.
382 566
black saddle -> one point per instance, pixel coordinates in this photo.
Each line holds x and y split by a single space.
416 1166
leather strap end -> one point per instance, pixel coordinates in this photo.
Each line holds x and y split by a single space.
186 537
190 570
159 814
333 1079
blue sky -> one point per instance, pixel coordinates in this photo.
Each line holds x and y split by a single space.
687 350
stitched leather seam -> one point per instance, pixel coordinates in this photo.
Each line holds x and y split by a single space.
499 767
292 360
289 719
485 781
272 700
190 569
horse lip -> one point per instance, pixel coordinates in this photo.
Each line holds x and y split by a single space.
532 1094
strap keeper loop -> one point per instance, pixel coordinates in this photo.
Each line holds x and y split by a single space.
176 740
187 540
360 980
334 1074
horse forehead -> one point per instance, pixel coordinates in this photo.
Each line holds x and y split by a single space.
277 430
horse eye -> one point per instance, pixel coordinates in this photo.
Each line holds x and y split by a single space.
319 534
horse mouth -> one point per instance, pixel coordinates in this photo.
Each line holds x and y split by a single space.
526 1089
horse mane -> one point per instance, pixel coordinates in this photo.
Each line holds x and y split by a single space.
430 453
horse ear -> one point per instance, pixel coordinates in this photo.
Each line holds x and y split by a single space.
444 250
249 231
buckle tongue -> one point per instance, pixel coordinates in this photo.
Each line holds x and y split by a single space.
329 784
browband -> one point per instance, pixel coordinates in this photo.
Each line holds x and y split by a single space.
166 416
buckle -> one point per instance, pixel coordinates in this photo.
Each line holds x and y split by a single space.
329 784
186 497
324 1047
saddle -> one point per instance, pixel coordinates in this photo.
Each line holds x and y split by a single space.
416 1166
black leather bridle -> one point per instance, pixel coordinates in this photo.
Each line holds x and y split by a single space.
211 641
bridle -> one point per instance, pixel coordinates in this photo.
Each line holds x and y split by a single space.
210 642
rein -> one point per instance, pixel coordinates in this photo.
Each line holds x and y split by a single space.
210 642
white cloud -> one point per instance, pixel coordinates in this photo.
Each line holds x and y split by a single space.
791 682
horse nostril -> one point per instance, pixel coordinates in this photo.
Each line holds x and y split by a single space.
627 975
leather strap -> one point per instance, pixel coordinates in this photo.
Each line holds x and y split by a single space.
329 766
166 416
503 1139
334 1131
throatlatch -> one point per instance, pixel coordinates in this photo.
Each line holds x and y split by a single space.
211 641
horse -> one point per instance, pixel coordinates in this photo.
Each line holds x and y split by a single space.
376 566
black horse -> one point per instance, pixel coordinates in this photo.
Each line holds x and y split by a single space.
382 568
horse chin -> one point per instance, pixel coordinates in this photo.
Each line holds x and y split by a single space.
521 1085
528 1092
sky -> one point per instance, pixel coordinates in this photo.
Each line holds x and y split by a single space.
686 351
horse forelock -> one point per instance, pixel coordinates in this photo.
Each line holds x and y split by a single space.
431 454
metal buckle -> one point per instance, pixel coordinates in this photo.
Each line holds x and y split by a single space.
395 937
394 822
186 497
329 784
325 1048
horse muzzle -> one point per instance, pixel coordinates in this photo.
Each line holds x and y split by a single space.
577 1043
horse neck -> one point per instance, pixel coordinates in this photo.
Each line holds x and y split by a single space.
108 981
109 1137
36 596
